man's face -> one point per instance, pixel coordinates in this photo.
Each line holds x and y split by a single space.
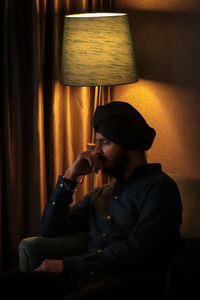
114 158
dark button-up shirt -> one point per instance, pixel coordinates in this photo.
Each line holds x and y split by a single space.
133 224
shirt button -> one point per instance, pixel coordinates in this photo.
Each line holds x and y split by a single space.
99 251
53 203
92 273
104 234
115 197
61 185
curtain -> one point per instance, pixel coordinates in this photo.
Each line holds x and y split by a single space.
44 125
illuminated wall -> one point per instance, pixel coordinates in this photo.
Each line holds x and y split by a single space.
166 41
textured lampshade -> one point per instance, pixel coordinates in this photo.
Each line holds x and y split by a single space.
97 50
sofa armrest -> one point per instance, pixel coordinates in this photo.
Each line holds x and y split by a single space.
33 250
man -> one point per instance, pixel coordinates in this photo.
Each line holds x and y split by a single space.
133 222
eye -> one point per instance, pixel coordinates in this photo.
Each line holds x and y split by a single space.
102 142
105 142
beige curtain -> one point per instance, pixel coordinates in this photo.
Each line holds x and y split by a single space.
44 125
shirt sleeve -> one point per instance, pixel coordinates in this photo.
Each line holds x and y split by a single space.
59 218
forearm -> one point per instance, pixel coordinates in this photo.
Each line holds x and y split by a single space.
55 217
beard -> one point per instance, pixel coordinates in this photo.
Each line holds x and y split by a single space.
115 165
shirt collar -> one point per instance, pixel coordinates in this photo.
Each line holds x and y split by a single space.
147 169
142 171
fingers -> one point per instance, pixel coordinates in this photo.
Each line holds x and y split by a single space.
85 163
93 160
51 266
42 267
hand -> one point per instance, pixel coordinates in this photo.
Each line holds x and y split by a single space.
51 266
85 163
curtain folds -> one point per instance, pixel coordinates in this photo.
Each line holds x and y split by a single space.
44 125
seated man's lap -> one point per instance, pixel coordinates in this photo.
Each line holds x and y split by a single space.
31 285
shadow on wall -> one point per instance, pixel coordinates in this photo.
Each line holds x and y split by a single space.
167 46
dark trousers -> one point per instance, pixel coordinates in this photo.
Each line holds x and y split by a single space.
37 285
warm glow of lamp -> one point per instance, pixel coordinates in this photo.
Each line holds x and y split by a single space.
97 50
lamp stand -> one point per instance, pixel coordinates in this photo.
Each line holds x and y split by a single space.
101 97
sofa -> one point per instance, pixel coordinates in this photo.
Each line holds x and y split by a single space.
183 275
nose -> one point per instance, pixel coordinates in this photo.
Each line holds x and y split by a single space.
97 148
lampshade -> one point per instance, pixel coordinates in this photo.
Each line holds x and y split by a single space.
97 50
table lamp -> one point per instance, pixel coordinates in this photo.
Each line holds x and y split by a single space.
97 51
